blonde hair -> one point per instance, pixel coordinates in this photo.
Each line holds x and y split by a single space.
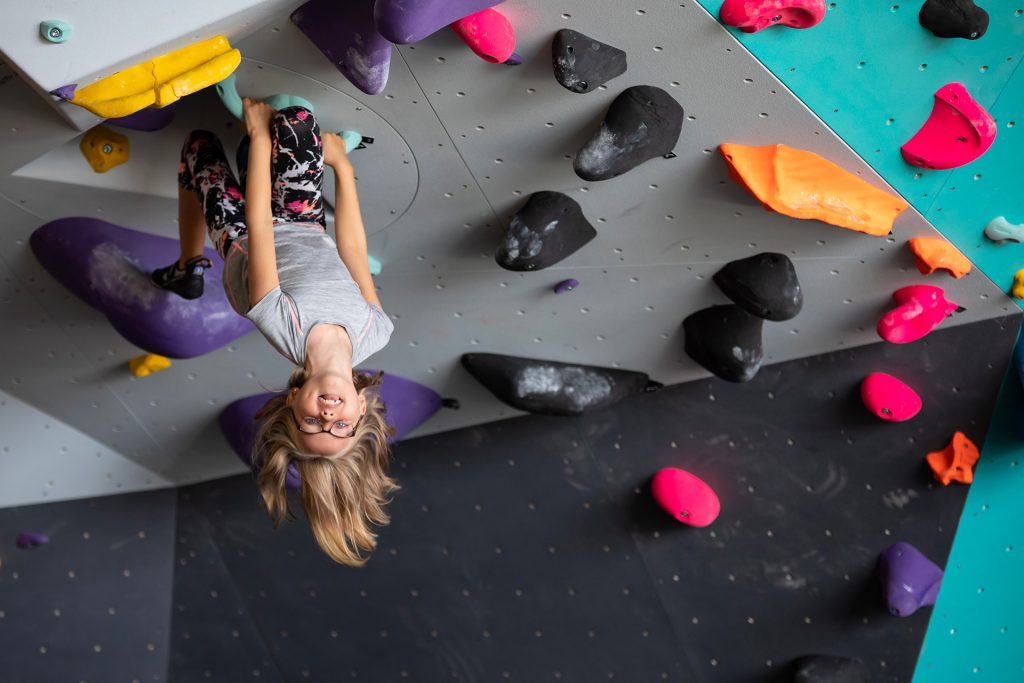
342 494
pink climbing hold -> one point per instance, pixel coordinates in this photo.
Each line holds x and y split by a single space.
889 398
685 496
750 16
920 310
489 34
957 132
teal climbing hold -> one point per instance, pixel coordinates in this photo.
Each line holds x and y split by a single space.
229 97
55 30
375 266
1001 230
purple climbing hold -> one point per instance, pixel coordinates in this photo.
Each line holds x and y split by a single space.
409 21
567 285
409 405
514 60
148 119
910 580
27 540
347 35
65 92
108 267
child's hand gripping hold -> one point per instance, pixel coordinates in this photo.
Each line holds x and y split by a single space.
334 152
258 116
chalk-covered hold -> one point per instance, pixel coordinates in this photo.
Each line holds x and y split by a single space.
764 285
909 580
920 309
582 63
548 228
551 387
349 38
957 131
642 123
725 340
830 669
953 19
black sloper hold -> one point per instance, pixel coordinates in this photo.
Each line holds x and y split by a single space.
582 63
548 228
954 19
765 285
552 388
725 340
642 123
830 669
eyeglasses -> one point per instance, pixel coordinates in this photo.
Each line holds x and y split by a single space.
313 425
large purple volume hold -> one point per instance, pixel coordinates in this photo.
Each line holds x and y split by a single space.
348 36
409 21
909 579
409 405
108 267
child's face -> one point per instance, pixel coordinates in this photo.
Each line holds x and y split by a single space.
327 401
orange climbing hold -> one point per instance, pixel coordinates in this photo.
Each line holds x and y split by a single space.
954 462
802 184
933 253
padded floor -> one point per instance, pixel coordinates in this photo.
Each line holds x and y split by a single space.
529 549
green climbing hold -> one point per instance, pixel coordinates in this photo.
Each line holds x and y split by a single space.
55 30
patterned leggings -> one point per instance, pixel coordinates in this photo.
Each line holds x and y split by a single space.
296 177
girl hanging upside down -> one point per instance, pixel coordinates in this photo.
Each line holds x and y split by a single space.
312 299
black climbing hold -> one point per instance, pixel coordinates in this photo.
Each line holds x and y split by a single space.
582 63
548 228
765 285
550 387
452 403
642 123
725 340
830 669
954 19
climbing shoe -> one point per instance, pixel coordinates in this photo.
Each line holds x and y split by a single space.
186 282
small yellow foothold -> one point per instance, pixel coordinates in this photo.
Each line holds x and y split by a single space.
148 364
1018 285
161 80
104 148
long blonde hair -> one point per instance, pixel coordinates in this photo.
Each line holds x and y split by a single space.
342 494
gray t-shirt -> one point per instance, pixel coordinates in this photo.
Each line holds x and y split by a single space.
315 287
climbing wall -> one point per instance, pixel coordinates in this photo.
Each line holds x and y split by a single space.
459 146
463 144
874 93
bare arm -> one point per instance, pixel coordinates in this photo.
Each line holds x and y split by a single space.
259 220
349 231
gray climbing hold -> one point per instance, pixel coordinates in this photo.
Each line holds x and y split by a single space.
642 123
953 19
548 228
765 285
553 388
55 30
582 63
725 340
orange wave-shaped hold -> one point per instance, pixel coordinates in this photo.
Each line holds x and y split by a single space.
933 253
802 184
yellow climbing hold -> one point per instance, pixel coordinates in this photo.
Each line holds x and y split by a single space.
802 184
1018 285
104 148
148 364
161 80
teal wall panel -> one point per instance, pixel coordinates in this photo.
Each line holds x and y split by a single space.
869 71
